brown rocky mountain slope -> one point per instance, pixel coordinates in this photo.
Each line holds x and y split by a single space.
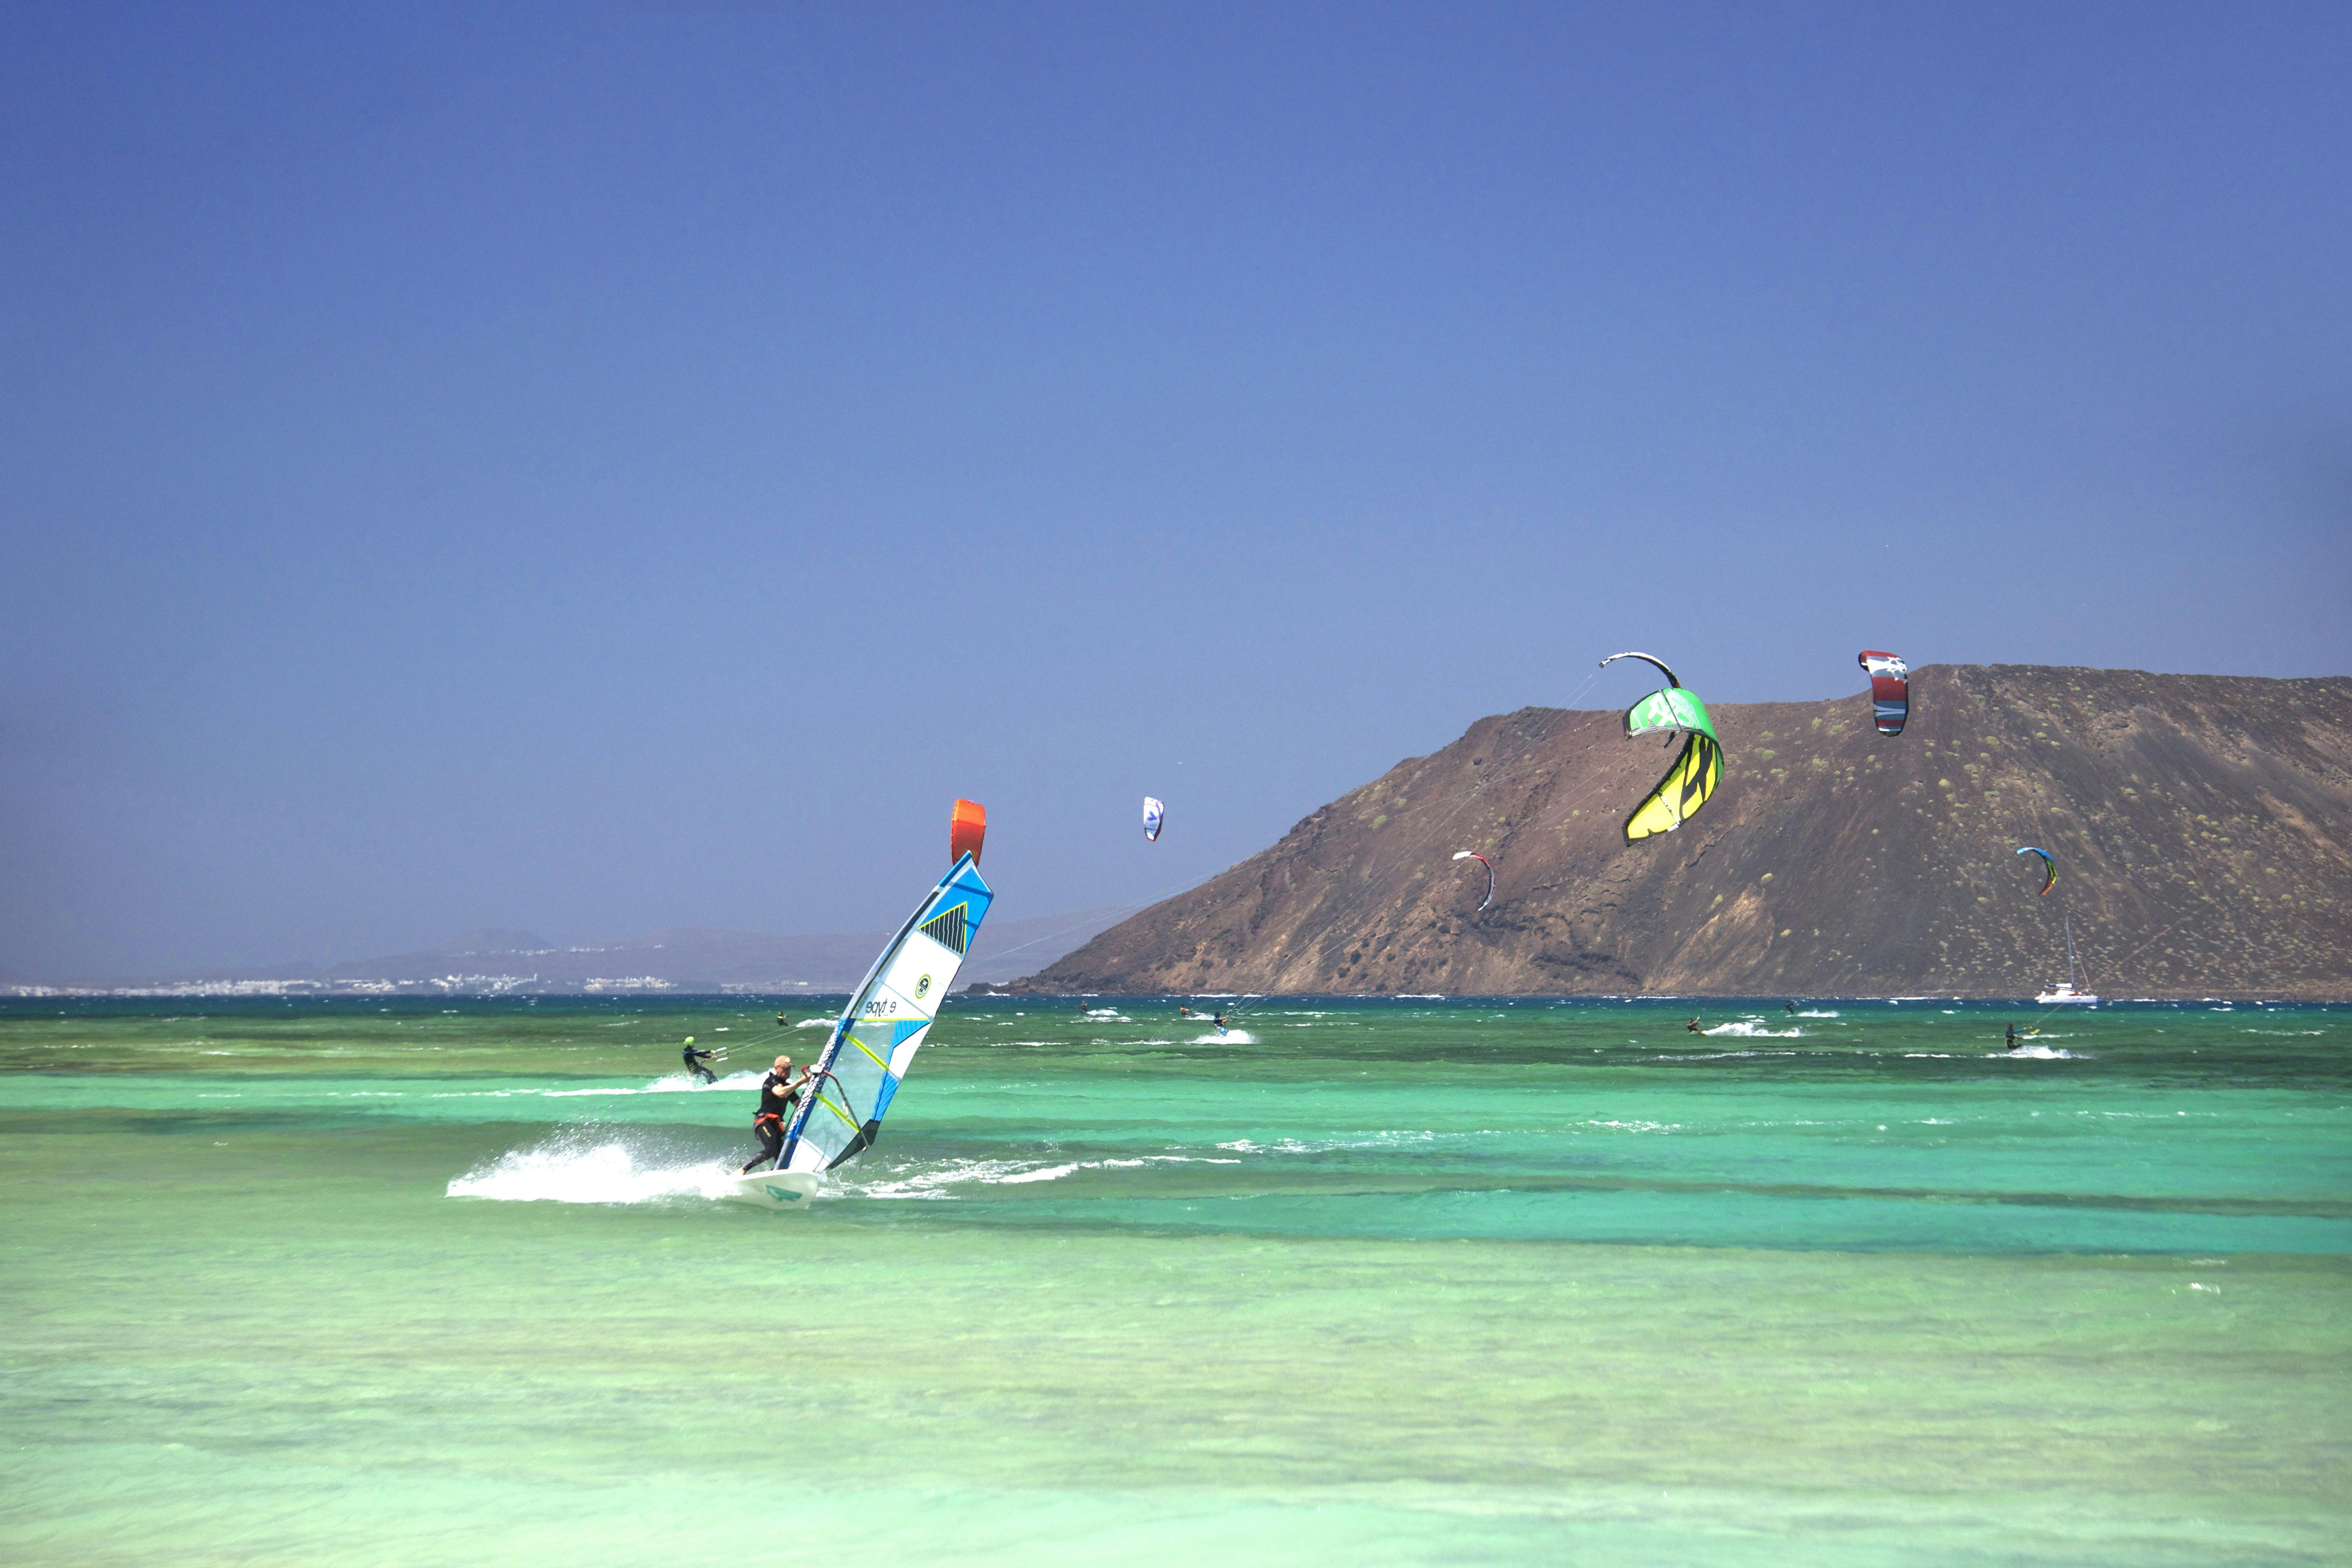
2202 826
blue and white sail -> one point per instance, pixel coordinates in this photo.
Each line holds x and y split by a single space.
882 1029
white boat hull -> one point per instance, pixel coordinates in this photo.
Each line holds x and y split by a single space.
2065 996
776 1189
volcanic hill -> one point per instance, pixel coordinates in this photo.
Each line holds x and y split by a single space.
2202 826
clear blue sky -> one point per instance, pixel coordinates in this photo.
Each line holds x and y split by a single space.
597 467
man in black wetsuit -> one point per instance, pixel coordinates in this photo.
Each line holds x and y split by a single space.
694 1060
780 1096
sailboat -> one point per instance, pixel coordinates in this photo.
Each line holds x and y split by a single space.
874 1040
2064 991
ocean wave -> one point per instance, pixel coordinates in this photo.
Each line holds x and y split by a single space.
1333 1145
934 1182
676 1083
1230 1037
2036 1053
570 1172
1753 1029
1830 1014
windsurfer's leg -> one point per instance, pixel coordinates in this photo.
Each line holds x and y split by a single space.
771 1143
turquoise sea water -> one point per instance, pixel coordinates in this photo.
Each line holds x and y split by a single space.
1396 1281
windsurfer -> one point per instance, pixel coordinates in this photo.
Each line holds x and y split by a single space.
780 1095
695 1059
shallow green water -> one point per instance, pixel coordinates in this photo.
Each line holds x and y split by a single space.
1406 1282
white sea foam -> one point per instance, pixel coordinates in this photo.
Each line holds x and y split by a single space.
1112 1013
1327 1145
570 1172
676 1083
1830 1014
2037 1053
816 1023
1230 1037
934 1182
1753 1029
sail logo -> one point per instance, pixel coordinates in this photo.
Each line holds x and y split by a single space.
922 986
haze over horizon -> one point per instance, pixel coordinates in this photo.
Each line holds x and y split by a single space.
592 470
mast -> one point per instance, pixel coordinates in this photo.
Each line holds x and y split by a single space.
2070 950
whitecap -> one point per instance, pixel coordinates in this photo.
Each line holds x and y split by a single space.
935 1182
567 1173
676 1083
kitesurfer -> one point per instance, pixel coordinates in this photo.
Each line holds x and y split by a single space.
1690 1026
1790 1008
780 1095
695 1058
1220 1022
2011 1039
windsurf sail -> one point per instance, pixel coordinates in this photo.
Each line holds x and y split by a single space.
1690 783
878 1034
1890 689
1154 816
1474 854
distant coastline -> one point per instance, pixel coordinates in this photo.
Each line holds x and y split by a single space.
684 960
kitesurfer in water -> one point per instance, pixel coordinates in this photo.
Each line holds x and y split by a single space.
2012 1041
694 1060
780 1095
1690 1026
1789 1007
